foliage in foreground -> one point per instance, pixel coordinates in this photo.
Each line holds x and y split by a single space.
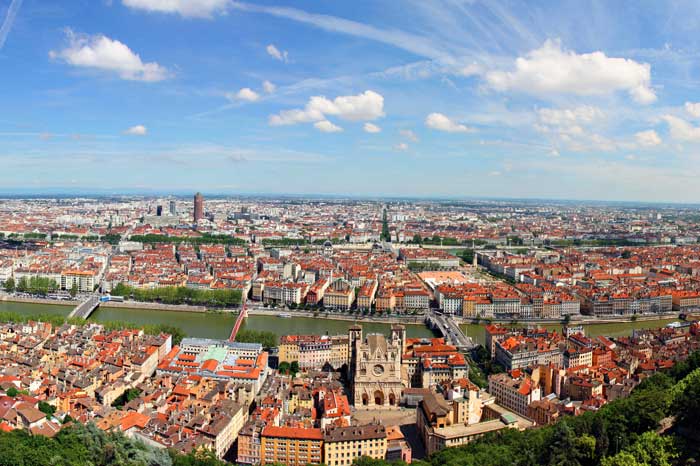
621 433
86 445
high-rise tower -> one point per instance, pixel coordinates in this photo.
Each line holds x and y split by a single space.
198 207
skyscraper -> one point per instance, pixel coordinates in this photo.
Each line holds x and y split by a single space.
173 207
159 211
198 207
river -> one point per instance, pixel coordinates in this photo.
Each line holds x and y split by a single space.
214 325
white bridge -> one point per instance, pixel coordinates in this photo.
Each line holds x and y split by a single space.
86 308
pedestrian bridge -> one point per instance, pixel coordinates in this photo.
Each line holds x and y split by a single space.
86 308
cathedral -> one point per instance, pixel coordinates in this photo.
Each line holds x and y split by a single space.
375 368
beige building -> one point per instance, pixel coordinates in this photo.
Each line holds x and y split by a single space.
443 423
375 368
343 445
340 295
313 351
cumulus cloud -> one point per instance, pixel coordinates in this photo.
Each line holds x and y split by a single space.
371 128
246 94
441 122
102 53
366 106
138 130
326 126
583 114
269 87
408 134
693 108
571 128
682 130
551 69
185 8
276 53
402 146
647 138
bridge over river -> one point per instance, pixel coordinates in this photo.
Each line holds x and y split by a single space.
450 331
87 307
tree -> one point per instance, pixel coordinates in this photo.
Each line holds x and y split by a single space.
621 459
283 367
46 408
74 290
294 367
12 392
22 285
10 285
650 449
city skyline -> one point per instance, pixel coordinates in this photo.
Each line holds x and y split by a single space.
578 100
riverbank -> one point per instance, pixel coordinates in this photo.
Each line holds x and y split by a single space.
155 306
393 319
125 304
53 302
410 320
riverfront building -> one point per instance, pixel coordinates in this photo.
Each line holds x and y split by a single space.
314 352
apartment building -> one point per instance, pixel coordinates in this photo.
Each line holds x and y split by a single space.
343 445
291 446
512 393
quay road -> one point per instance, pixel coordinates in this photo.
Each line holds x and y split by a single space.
450 330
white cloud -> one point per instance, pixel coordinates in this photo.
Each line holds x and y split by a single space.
681 129
138 130
408 134
366 106
441 122
269 87
326 126
647 138
102 53
570 127
693 108
584 114
246 94
371 128
551 69
186 8
495 173
276 53
402 146
473 69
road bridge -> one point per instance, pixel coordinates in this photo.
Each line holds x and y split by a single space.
449 329
86 308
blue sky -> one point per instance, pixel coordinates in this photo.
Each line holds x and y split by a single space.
545 99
